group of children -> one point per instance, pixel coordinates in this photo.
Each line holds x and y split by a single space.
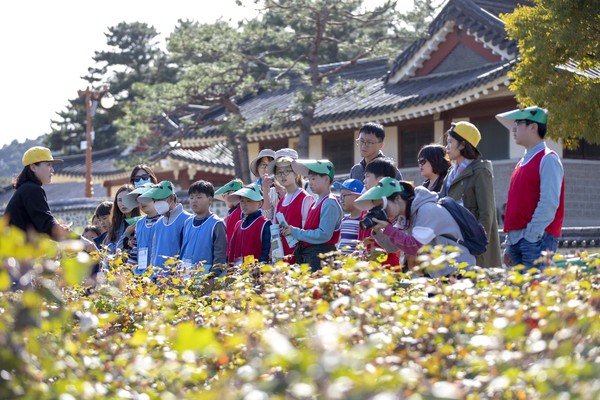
274 218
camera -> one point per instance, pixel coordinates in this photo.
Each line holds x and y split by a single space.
375 212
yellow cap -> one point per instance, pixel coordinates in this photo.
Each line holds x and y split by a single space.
467 131
38 154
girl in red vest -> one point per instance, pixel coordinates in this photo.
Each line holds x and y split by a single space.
252 235
296 203
321 231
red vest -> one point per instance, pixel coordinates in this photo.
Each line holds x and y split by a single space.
246 241
230 220
314 218
524 195
293 216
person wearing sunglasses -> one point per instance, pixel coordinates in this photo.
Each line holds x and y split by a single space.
370 142
142 174
470 181
536 203
434 164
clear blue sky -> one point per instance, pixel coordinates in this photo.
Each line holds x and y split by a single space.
48 45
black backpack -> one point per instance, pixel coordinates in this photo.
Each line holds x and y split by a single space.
474 236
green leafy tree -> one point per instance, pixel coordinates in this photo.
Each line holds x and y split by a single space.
324 32
133 56
559 65
218 65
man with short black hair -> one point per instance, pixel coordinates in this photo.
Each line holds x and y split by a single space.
370 141
535 205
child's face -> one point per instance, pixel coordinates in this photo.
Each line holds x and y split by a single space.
347 200
319 184
104 222
120 204
285 176
370 180
90 235
249 206
229 204
148 209
200 203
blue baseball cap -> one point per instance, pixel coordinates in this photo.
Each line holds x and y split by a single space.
353 185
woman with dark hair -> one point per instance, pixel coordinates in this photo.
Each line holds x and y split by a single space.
470 182
141 174
115 237
28 208
414 219
434 164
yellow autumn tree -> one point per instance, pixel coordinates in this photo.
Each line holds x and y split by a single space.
559 65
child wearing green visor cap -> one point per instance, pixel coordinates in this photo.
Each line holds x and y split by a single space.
252 235
535 204
417 219
168 230
321 231
234 212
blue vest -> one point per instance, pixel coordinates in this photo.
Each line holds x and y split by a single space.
198 242
144 230
167 239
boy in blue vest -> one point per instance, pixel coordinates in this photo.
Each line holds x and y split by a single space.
168 230
143 229
204 247
321 231
252 235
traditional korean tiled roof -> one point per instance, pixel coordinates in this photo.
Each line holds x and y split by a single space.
478 18
392 94
373 98
104 163
216 159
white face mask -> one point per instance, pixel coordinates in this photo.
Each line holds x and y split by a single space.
141 182
161 207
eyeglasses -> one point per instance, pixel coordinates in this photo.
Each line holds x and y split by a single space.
284 172
421 161
137 178
366 143
343 196
522 121
262 165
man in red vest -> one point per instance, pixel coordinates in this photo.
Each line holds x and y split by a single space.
535 205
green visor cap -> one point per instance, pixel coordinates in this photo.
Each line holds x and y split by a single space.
251 192
303 167
533 113
159 191
385 188
133 220
231 186
130 199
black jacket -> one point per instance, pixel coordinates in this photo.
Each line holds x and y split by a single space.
28 209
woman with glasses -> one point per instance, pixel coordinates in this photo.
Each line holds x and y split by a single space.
258 167
142 174
296 202
470 182
434 164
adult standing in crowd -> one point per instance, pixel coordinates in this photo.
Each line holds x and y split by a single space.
28 208
470 182
370 141
434 164
141 174
536 203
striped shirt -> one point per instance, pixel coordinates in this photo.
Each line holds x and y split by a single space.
348 234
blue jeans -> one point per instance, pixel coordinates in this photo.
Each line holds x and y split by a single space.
527 253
